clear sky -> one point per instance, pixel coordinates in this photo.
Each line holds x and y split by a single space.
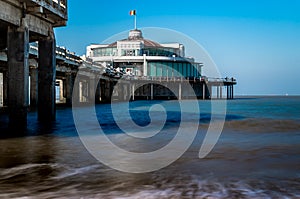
255 41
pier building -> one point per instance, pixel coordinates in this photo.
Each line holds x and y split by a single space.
138 56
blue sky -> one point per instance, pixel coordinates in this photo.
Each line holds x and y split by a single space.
257 42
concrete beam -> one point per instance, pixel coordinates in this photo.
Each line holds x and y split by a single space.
37 25
9 13
13 13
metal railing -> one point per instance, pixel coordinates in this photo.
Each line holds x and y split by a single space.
58 4
179 79
226 79
61 53
58 7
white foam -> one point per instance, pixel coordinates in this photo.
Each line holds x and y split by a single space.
76 171
20 169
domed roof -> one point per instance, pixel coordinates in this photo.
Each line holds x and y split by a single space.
136 35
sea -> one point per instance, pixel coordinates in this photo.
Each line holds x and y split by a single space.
257 154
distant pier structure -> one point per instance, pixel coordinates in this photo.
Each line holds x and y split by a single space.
37 74
157 67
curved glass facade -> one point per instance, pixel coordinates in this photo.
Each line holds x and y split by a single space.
166 52
173 69
102 52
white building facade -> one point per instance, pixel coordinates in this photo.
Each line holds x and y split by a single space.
142 57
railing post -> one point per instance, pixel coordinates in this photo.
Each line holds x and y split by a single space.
59 4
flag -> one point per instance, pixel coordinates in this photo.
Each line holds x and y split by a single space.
132 12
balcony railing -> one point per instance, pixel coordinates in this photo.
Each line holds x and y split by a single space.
61 53
59 4
56 7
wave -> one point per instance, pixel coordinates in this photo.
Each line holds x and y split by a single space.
103 183
61 171
6 173
196 189
263 125
76 171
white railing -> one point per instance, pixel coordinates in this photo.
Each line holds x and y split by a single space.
61 53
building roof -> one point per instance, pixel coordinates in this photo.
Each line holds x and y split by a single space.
136 35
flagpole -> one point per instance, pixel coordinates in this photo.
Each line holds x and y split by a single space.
135 21
133 12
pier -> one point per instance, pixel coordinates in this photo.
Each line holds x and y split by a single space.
37 74
22 22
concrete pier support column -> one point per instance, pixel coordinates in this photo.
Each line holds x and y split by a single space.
209 92
125 87
151 92
5 88
83 90
179 92
221 94
106 90
227 88
102 90
203 91
92 89
132 91
18 75
111 89
228 91
47 75
98 91
68 87
61 91
120 89
33 87
1 89
75 93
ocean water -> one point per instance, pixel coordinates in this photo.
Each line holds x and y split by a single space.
256 156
